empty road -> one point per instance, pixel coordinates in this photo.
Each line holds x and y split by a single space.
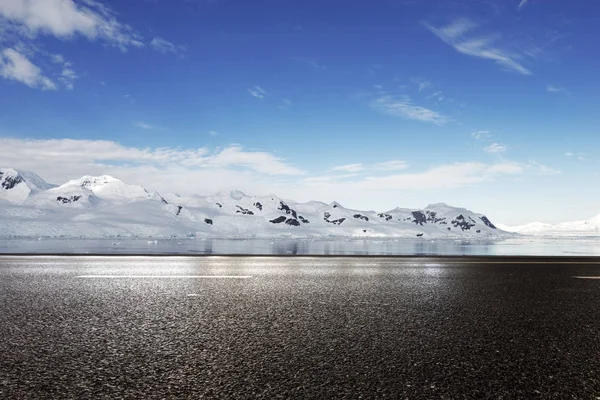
307 328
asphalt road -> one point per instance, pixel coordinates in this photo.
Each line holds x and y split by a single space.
307 328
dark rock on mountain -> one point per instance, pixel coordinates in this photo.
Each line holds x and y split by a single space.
278 220
244 211
220 205
179 208
304 220
258 205
208 221
67 200
487 222
287 209
360 216
478 231
419 234
461 222
419 218
326 216
292 222
10 182
431 217
386 216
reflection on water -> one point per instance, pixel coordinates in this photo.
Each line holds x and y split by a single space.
589 246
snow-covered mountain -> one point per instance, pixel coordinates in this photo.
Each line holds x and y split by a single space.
96 207
590 227
17 186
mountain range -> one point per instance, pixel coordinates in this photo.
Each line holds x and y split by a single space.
106 207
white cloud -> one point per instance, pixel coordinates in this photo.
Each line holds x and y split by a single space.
213 133
258 161
143 125
23 21
15 66
174 169
522 4
542 169
164 46
402 107
438 96
57 58
395 165
495 148
257 92
67 18
438 177
349 168
556 89
455 35
204 171
478 135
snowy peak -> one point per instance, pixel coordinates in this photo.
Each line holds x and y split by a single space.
106 186
17 186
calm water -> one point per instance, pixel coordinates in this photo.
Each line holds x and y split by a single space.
589 246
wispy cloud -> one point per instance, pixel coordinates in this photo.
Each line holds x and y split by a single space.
522 4
437 96
478 135
349 168
213 133
286 103
456 34
257 92
542 169
311 63
67 18
164 46
43 154
556 89
438 177
495 148
17 67
421 83
67 76
147 126
395 165
23 22
402 106
578 156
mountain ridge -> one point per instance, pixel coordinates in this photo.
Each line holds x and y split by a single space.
104 206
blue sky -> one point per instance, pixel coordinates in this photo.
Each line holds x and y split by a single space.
490 105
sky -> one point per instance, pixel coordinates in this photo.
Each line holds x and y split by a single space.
483 104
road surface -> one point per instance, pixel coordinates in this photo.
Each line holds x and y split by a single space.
307 328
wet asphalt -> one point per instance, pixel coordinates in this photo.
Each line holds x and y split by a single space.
299 328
